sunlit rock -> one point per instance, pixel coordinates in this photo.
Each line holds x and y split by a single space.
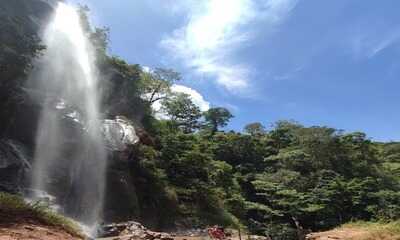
119 133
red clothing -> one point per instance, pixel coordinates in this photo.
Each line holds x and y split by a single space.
216 233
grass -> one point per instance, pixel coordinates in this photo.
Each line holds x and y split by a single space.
14 209
376 230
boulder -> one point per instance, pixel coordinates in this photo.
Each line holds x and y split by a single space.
133 230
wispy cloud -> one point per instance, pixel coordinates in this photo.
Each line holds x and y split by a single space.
290 74
385 43
215 29
370 44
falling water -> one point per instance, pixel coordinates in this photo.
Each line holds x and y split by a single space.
69 163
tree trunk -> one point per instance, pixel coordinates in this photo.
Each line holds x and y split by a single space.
301 235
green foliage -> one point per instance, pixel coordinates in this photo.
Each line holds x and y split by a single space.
317 175
242 151
275 182
280 232
390 152
254 129
386 205
156 84
183 112
280 182
217 117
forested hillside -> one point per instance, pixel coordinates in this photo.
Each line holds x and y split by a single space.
273 181
190 170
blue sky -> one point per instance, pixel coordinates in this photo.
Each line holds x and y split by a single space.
333 63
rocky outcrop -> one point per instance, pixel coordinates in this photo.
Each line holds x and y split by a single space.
33 13
121 200
13 166
133 231
119 134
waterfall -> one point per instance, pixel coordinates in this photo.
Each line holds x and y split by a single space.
70 157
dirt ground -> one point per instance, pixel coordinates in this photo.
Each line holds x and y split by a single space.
352 234
33 232
37 231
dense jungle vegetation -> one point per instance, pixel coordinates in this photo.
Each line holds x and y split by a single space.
191 171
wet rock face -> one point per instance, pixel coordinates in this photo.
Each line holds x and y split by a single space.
33 12
13 166
119 134
121 200
133 230
21 23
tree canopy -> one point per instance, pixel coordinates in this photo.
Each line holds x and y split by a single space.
217 117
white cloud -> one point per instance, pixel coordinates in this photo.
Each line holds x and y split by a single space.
195 96
158 112
146 69
215 29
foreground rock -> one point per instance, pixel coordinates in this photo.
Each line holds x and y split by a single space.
132 231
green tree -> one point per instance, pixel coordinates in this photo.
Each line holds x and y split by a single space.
183 112
217 117
241 151
156 84
255 129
